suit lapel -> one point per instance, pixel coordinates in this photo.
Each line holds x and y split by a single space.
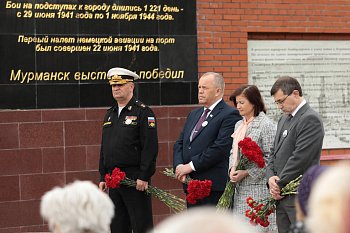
293 123
279 129
210 117
193 121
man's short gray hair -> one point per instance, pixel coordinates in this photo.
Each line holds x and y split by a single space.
219 80
78 207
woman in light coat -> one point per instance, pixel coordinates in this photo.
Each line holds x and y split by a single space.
251 182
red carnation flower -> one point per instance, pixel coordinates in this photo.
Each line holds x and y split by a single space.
197 190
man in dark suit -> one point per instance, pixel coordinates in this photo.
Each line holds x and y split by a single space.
297 146
203 148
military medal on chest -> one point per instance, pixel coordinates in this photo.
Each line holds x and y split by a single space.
130 120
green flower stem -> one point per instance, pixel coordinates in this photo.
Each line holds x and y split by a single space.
169 172
172 201
225 200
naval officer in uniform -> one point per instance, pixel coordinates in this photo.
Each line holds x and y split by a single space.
129 142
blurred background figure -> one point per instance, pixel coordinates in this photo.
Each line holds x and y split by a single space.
203 220
251 182
329 202
302 198
79 207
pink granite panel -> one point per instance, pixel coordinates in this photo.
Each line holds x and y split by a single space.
178 192
34 135
92 157
31 161
160 180
93 176
34 186
9 136
30 213
10 230
163 130
176 128
9 214
38 228
83 133
11 185
20 116
96 114
9 162
163 158
63 115
75 158
53 159
181 111
174 184
170 152
159 207
161 112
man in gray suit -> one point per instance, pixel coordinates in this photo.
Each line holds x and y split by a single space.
297 146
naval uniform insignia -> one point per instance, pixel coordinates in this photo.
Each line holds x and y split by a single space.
130 120
107 123
151 122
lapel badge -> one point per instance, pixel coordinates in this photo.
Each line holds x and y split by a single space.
109 118
205 123
211 115
129 108
285 132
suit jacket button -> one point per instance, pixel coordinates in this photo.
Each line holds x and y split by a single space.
189 148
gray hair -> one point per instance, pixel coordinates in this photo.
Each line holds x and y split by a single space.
78 207
218 79
204 220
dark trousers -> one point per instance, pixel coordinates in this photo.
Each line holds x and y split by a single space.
285 213
133 210
211 200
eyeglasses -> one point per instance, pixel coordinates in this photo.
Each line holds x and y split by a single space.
281 101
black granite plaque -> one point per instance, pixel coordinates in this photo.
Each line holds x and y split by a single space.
55 54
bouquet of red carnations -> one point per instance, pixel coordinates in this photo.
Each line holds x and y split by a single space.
261 210
118 177
249 152
196 189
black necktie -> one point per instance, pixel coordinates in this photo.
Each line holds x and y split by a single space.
200 122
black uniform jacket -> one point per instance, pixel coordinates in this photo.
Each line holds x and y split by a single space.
129 141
